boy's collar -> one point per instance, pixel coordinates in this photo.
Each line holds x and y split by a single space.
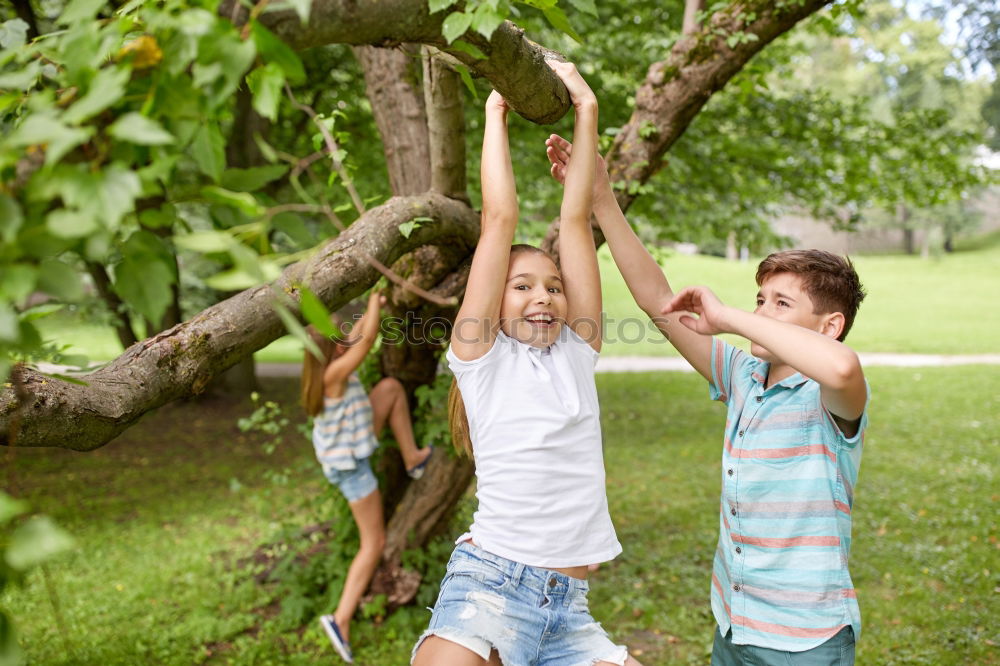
791 381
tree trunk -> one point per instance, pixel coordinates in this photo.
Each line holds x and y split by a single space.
903 219
123 327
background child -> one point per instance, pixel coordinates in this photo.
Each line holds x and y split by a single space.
346 424
796 416
523 351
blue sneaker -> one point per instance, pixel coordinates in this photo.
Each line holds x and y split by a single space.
418 471
339 644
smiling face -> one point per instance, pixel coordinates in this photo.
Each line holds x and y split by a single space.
783 297
533 308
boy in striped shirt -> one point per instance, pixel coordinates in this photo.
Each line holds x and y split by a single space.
797 410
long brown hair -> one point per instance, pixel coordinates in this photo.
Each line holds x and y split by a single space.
313 369
458 421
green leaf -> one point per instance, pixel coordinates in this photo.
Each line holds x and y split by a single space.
295 228
315 312
79 11
117 192
9 329
208 151
18 281
274 50
55 135
13 34
406 228
144 282
21 79
137 128
296 329
463 73
35 542
158 218
455 25
242 201
70 223
10 218
465 47
485 20
232 280
252 179
106 88
557 19
266 84
437 5
585 6
11 508
205 241
60 280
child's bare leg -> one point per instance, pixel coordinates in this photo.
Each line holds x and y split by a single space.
389 403
436 650
371 527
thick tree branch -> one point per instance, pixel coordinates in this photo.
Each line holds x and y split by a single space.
677 88
392 84
180 362
513 64
446 126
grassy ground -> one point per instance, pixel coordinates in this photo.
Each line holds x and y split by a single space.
942 305
170 517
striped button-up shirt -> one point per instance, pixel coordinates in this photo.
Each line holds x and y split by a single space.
343 432
780 577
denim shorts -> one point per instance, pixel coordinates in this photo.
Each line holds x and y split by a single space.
838 651
531 616
356 483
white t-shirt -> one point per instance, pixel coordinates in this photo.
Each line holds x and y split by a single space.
535 426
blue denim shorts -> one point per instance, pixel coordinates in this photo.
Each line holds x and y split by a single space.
356 483
531 616
838 651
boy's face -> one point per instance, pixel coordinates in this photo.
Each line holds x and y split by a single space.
533 308
782 297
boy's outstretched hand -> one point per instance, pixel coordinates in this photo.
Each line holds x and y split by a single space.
702 302
579 91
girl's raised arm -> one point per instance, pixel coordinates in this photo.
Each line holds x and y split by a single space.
479 317
360 342
578 256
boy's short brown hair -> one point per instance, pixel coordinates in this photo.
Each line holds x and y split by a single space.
829 279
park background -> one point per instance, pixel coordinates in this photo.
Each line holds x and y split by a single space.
205 532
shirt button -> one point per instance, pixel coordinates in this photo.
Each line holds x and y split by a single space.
760 398
741 433
736 588
738 550
552 582
733 511
729 471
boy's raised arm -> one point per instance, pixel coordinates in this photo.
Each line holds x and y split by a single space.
831 363
578 256
642 274
478 318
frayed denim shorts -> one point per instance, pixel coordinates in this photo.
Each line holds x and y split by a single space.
531 616
356 483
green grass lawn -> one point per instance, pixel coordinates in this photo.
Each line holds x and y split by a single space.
168 519
942 305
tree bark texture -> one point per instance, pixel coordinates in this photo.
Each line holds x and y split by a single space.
513 64
180 362
392 84
445 125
